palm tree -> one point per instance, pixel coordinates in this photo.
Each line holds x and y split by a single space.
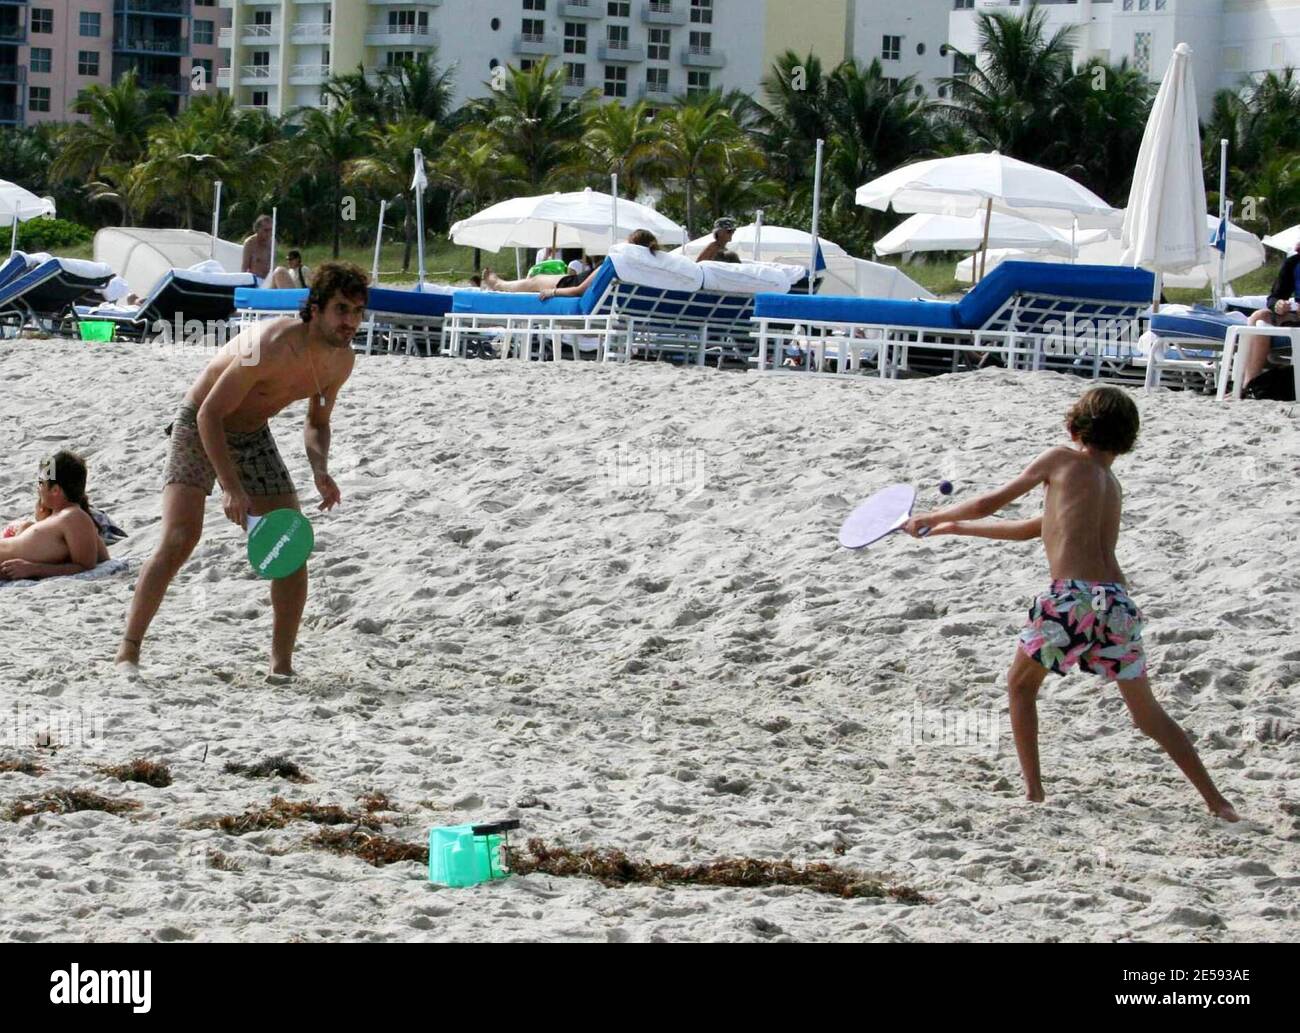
626 141
1116 113
472 166
116 132
419 87
533 122
387 168
367 96
329 140
1010 99
696 135
796 116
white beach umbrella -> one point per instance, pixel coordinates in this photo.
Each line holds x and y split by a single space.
1164 224
929 232
18 205
574 220
774 244
1245 254
1284 240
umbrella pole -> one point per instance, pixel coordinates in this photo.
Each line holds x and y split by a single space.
984 244
519 265
816 217
270 268
613 231
1223 215
379 237
13 236
758 234
1074 246
216 218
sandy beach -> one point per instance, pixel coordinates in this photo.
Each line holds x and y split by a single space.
609 602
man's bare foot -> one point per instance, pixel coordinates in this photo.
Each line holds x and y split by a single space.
1224 810
1035 795
283 668
127 660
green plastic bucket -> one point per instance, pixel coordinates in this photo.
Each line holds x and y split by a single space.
95 329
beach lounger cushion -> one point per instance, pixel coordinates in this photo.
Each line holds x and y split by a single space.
420 304
267 299
832 308
509 304
1199 323
638 265
751 277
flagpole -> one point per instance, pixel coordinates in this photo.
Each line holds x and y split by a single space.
613 234
816 218
419 184
758 235
1223 215
270 269
379 237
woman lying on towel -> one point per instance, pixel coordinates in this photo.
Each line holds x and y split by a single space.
63 539
570 286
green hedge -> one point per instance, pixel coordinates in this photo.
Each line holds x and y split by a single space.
51 234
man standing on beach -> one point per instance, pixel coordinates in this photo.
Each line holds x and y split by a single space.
257 250
221 434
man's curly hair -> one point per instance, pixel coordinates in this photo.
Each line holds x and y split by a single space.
333 278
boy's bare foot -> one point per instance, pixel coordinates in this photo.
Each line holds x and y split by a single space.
283 668
1035 795
1224 810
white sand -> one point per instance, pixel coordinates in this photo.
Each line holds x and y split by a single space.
686 670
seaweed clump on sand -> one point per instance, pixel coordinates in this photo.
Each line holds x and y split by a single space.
279 766
65 801
140 770
281 812
614 868
373 849
23 767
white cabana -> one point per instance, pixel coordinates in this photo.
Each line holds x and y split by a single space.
843 274
1164 228
584 219
929 232
1245 254
1284 240
142 256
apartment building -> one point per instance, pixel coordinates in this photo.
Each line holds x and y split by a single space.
1232 40
51 50
907 39
282 51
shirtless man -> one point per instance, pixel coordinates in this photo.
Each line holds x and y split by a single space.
723 231
1086 617
63 539
257 249
221 435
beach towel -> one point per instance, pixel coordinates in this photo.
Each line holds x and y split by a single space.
108 568
751 277
636 264
109 531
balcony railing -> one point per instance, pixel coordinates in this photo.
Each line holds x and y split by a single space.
261 73
170 83
627 53
703 57
392 3
658 13
179 8
13 34
151 45
11 114
226 38
529 44
260 35
310 32
574 87
223 78
655 91
307 75
385 33
13 74
582 9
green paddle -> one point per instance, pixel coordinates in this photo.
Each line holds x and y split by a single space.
279 543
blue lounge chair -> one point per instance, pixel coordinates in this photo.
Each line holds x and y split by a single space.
1200 348
45 296
180 298
620 318
1035 314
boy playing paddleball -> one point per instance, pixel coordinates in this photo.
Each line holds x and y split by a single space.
1086 618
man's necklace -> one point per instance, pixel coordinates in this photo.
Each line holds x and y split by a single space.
320 393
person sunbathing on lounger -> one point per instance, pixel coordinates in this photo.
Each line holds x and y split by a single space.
569 286
62 539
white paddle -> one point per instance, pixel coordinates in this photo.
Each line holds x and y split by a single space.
887 511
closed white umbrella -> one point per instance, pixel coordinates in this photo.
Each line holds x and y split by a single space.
929 232
575 220
1245 254
18 205
1164 225
1284 240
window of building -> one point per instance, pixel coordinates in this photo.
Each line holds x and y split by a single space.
964 5
920 49
1142 52
202 33
42 57
575 74
42 21
698 82
38 98
656 81
534 29
701 42
87 62
496 24
90 24
394 58
206 64
891 48
620 8
261 59
526 64
262 18
616 37
661 41
534 5
205 3
702 12
891 85
1144 5
575 38
615 81
261 98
